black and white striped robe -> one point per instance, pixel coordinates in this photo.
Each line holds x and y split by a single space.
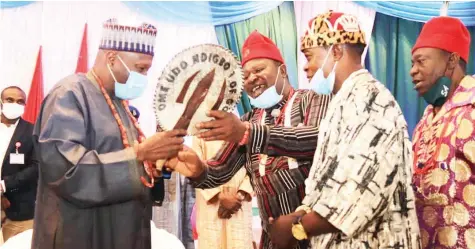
281 190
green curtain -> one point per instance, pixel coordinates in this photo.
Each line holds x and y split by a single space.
279 25
389 60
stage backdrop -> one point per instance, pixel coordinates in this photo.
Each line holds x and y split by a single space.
58 27
389 60
277 24
422 11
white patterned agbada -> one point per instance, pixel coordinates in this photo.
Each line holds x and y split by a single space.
360 180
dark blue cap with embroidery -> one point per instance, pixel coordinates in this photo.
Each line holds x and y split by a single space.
135 112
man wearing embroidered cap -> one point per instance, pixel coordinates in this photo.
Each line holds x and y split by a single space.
95 176
444 147
358 193
266 141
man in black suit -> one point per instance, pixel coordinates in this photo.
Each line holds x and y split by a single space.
19 172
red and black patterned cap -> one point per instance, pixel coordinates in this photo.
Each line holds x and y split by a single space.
332 28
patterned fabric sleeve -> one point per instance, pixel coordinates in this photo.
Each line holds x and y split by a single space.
227 162
223 167
357 185
296 142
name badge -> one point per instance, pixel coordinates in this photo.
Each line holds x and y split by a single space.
17 158
293 164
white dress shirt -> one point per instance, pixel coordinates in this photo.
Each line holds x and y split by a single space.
6 133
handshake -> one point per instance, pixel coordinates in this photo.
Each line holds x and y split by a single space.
168 146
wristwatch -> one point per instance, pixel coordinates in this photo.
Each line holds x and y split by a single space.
298 230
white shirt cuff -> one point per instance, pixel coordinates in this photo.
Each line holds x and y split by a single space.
3 186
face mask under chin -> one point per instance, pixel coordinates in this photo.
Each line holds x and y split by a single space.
321 84
438 93
269 97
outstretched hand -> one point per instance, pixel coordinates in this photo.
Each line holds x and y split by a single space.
161 145
187 163
225 127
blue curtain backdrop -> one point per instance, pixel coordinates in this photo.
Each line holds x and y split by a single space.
277 24
423 11
395 31
226 12
209 12
14 4
389 60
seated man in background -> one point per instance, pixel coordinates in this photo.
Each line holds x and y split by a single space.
224 213
19 172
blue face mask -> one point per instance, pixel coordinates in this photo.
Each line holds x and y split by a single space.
319 83
133 87
269 97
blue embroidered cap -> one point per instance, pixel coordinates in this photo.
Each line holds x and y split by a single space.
128 38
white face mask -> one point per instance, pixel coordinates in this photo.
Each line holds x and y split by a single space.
12 111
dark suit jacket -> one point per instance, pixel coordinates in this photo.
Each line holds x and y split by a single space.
21 179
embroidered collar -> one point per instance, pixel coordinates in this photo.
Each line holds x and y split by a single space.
464 94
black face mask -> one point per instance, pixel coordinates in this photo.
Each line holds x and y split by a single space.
437 94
